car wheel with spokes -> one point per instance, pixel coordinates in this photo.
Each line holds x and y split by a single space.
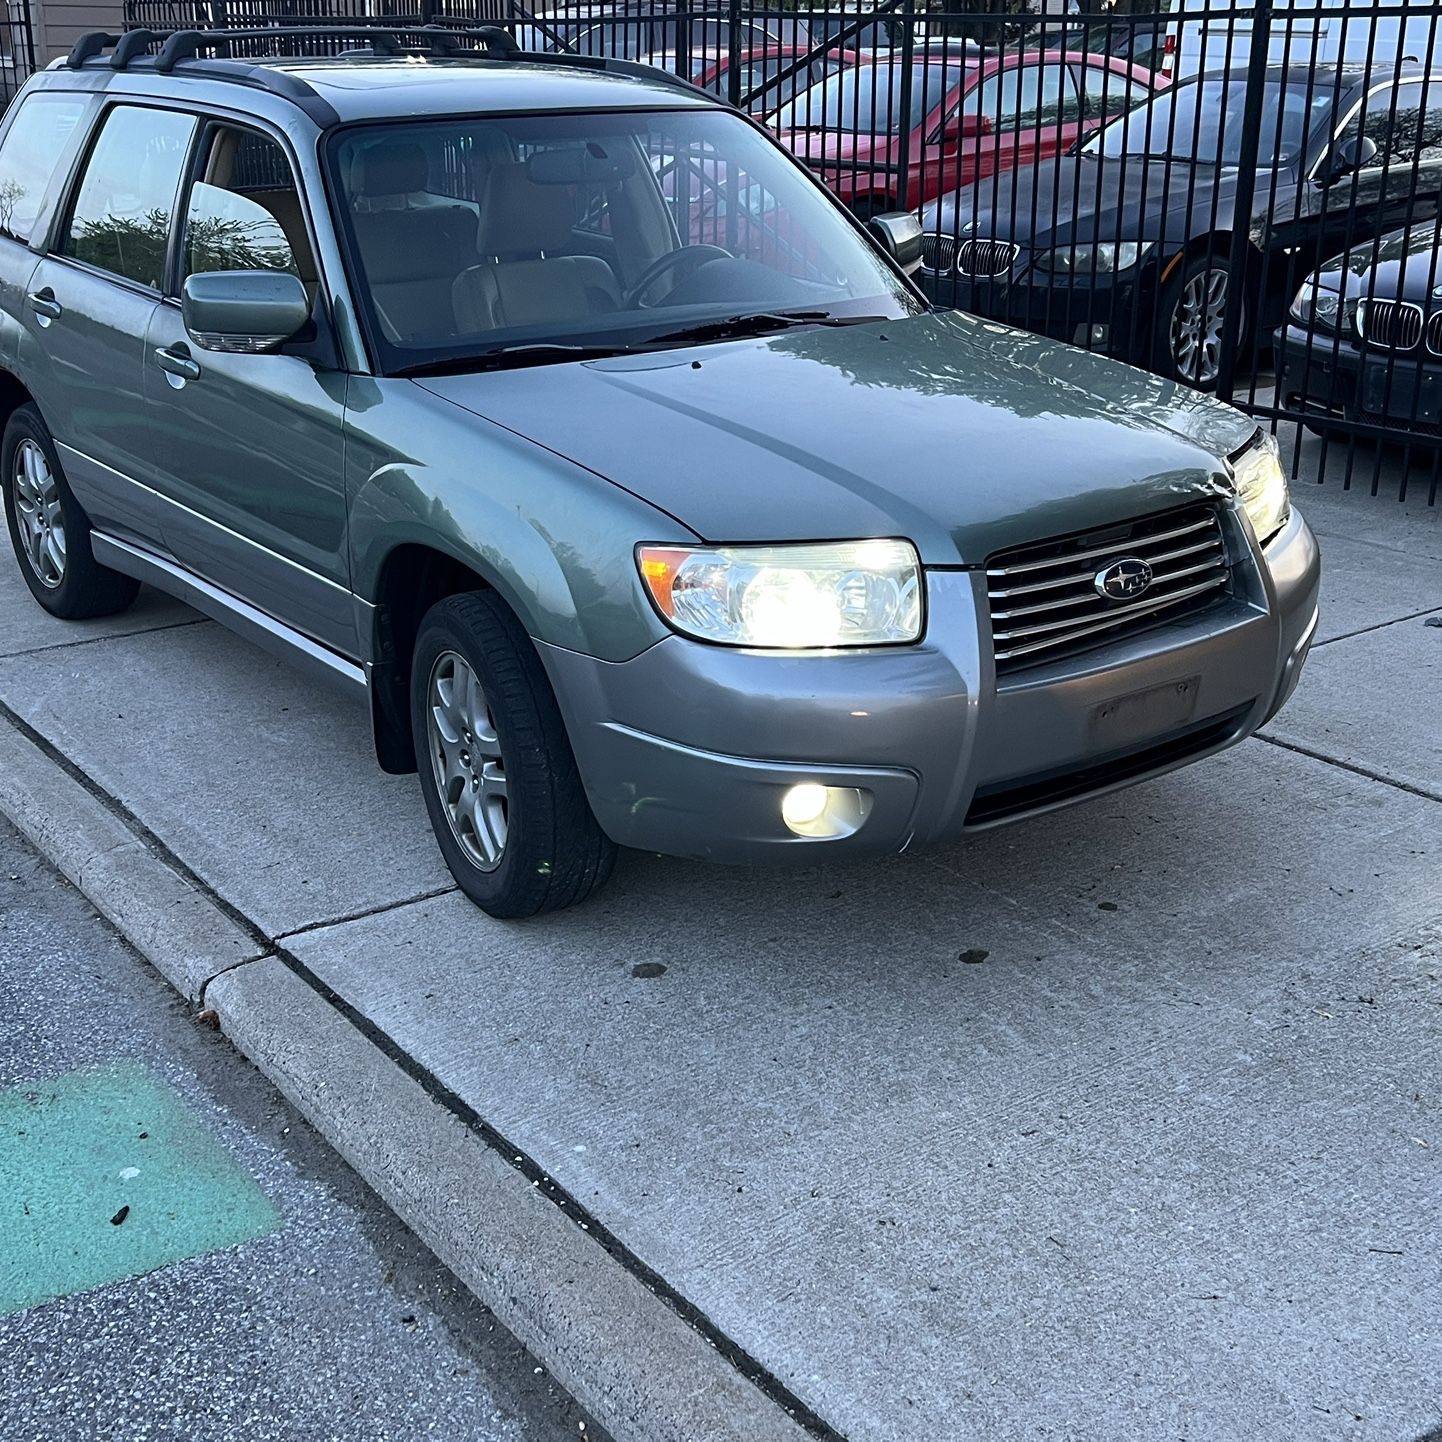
1192 318
499 778
49 530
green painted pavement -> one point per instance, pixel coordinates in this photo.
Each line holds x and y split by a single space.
105 1174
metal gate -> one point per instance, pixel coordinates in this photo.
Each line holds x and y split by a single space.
17 47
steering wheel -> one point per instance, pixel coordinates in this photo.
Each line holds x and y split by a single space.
694 256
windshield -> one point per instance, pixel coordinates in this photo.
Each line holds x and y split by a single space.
476 237
867 99
1203 120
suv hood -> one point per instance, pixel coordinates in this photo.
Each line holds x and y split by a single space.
961 435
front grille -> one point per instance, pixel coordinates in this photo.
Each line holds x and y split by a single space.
1392 324
938 253
1434 333
1044 600
986 257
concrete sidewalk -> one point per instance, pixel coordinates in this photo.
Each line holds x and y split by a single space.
1122 1123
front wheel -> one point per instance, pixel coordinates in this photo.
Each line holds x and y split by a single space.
496 768
1191 318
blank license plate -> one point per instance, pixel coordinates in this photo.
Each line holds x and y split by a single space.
1145 714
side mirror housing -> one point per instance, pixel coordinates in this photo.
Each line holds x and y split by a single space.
1349 156
962 127
898 233
244 311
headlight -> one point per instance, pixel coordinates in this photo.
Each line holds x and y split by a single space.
1081 259
1316 305
1262 487
805 597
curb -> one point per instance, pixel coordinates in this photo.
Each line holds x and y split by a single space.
626 1355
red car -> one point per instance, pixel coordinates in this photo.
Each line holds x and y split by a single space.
970 115
759 66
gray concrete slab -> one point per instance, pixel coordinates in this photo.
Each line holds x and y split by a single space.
1375 701
25 627
264 782
939 1197
1366 584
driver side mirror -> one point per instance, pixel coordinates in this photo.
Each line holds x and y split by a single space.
958 128
898 233
1349 156
243 311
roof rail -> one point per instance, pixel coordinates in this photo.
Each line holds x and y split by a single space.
441 42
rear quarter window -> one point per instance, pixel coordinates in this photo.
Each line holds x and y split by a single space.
29 154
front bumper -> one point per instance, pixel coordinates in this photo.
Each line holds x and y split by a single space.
1330 380
688 749
1109 314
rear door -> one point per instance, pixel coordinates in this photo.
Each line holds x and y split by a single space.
88 307
1034 112
252 483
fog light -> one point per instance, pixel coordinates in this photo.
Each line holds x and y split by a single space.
824 813
803 805
1091 335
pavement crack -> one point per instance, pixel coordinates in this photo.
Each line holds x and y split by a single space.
109 636
380 910
1355 770
203 997
1380 626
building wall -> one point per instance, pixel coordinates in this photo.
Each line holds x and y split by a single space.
59 23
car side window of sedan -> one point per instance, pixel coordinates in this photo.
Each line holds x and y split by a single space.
1106 93
1025 97
1405 125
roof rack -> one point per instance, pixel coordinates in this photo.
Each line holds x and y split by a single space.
439 42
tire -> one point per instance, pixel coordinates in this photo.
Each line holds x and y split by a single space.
1192 309
497 771
49 530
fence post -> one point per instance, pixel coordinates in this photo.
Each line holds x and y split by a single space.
908 57
1257 59
733 52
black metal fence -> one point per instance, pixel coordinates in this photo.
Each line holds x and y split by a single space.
17 47
1244 199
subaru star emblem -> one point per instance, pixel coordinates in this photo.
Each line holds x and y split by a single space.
1123 580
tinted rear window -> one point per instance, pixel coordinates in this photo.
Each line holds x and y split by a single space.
29 154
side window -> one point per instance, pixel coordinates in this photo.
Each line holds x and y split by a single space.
1406 124
245 212
122 215
1027 96
1106 93
28 156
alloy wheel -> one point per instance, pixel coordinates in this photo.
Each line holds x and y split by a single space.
1197 327
37 511
466 760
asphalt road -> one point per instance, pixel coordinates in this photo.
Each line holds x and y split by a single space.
331 1322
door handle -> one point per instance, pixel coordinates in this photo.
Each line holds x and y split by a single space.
177 363
44 304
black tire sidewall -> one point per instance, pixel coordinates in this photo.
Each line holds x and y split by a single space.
87 588
537 870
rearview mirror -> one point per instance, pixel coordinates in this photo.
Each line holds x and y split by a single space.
1349 156
898 233
245 311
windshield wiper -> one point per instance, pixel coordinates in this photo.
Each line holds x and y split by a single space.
505 357
758 323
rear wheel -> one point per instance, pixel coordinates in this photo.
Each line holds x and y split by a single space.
496 768
49 530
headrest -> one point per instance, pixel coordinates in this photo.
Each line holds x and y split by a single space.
519 217
391 168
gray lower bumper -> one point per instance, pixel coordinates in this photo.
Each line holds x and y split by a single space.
688 749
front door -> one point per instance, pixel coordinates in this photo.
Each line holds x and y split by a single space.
253 495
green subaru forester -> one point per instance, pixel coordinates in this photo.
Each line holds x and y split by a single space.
551 406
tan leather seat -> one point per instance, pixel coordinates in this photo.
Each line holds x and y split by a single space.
412 254
526 282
